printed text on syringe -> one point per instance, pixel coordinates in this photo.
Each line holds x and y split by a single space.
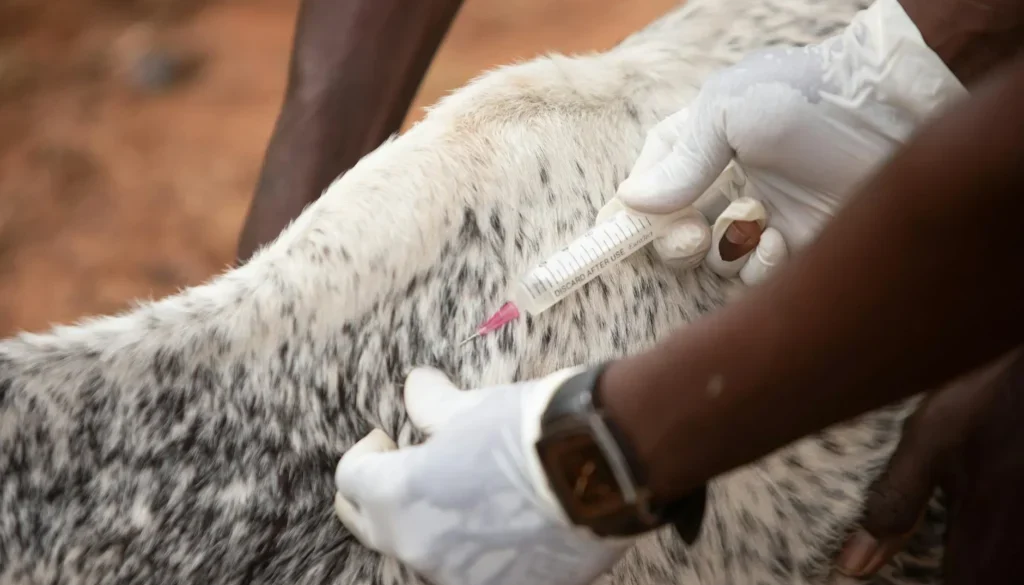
566 287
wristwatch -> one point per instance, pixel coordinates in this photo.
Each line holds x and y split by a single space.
596 476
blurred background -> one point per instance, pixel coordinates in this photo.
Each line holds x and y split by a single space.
132 131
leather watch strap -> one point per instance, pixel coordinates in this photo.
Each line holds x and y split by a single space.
686 514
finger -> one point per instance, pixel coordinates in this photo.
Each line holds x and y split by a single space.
352 519
864 555
355 479
657 146
896 504
609 210
739 239
770 253
659 142
374 443
433 401
895 508
735 235
685 242
898 499
698 155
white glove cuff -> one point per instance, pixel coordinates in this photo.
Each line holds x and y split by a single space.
882 41
534 403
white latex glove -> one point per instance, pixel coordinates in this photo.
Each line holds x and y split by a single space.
471 505
804 126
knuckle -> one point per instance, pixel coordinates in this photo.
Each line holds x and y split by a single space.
891 509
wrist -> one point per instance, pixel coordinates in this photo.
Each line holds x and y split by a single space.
591 468
626 391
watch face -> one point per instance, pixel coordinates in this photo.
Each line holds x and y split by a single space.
580 476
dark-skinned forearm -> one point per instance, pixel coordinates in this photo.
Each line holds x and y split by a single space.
916 281
354 71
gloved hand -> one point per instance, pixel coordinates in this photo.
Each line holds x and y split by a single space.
471 505
803 125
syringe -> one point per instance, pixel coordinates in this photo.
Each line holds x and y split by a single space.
600 248
568 269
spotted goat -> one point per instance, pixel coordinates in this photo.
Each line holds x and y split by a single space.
194 439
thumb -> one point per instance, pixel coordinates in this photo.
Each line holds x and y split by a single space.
361 470
895 508
433 401
681 158
899 497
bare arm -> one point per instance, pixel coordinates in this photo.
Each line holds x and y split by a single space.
916 281
355 68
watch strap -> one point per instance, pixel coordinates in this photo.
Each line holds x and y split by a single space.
578 395
687 514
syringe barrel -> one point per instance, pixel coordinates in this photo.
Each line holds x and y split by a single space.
582 260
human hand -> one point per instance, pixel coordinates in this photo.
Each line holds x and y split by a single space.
931 437
686 238
471 505
804 126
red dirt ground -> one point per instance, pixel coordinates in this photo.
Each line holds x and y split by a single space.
108 194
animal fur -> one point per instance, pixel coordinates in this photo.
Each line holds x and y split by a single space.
194 439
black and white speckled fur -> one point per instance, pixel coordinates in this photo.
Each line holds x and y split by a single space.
193 440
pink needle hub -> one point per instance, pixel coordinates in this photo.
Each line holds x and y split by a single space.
506 314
